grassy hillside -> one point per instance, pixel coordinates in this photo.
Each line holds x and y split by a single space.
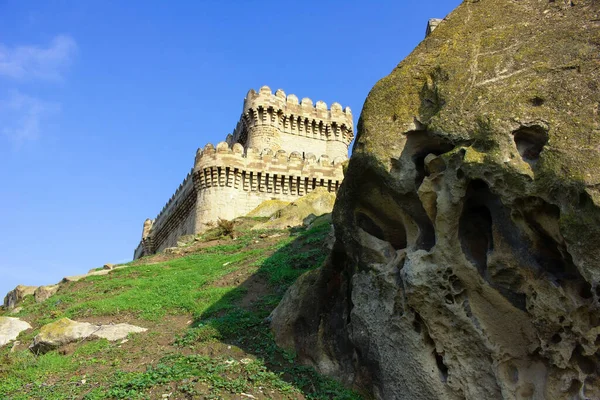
205 308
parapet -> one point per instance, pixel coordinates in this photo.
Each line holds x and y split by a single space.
265 172
236 157
184 189
331 121
210 152
290 103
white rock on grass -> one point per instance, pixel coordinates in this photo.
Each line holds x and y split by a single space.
66 331
76 278
10 328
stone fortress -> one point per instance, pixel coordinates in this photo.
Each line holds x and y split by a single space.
281 149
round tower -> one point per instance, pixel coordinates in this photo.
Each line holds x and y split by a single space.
262 119
280 122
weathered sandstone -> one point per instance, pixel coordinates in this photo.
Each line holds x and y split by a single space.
467 254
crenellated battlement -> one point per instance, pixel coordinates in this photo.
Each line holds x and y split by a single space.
288 115
184 189
289 104
210 154
265 170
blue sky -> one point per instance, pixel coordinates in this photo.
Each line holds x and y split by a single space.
104 103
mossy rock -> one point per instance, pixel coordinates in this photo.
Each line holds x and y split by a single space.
302 211
267 208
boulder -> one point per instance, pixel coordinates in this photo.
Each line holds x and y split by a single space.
44 292
267 208
16 295
10 328
66 331
302 211
466 261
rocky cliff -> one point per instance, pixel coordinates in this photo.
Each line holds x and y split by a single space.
467 261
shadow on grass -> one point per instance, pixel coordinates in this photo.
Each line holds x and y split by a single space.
240 318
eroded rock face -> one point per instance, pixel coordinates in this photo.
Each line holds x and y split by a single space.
467 255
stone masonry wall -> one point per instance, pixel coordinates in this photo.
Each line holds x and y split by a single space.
177 218
280 122
231 182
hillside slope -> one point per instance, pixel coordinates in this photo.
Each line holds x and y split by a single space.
205 306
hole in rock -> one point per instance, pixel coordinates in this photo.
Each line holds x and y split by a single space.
549 249
418 145
574 389
551 255
369 226
585 363
530 142
584 200
456 285
417 323
536 101
449 299
395 235
475 227
519 300
439 360
585 291
556 338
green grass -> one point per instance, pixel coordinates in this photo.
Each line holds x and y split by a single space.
147 291
150 292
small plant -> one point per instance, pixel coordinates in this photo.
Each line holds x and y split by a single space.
226 227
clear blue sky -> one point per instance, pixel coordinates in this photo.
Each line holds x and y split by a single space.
104 103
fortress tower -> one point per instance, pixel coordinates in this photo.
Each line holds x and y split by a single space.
280 149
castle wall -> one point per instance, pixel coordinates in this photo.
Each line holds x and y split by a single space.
337 150
302 146
177 218
281 122
139 251
231 182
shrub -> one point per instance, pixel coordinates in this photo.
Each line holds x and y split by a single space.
226 227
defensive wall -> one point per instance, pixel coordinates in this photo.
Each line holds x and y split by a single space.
174 220
232 181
